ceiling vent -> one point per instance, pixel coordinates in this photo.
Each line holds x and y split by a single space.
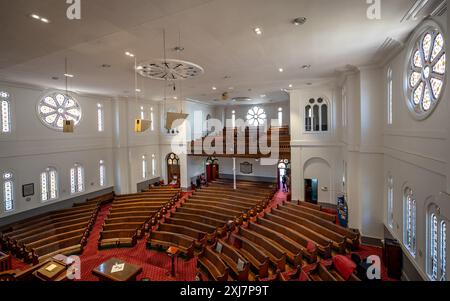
421 9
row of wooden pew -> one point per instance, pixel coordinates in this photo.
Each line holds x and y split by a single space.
59 232
132 215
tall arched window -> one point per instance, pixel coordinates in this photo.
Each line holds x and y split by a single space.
100 118
153 165
8 191
390 199
5 116
76 179
389 96
152 117
49 184
233 119
316 116
344 107
142 113
409 223
144 167
280 116
437 249
102 173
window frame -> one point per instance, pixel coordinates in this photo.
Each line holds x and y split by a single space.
390 95
280 116
153 165
47 172
410 222
10 180
390 201
100 118
78 170
102 173
436 260
5 98
144 167
314 106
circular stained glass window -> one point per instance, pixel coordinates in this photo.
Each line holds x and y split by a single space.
256 116
426 72
56 107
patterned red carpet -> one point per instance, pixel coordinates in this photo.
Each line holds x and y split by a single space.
156 265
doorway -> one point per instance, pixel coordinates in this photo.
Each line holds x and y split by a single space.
283 170
312 191
173 170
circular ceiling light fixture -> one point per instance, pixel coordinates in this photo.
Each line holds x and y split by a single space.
299 21
169 69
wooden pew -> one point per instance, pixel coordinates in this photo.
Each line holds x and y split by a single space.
233 258
69 246
199 236
210 214
223 210
295 208
258 259
159 239
219 224
212 263
5 262
208 229
222 204
352 237
298 274
117 238
276 255
323 244
292 249
320 273
309 205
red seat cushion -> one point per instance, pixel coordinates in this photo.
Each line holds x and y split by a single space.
344 266
311 247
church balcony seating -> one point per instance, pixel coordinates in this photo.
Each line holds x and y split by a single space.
258 259
211 262
238 265
68 246
323 244
165 240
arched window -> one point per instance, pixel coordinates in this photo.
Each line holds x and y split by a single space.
152 118
5 116
425 77
49 184
102 173
389 96
344 107
256 116
153 165
316 116
409 237
142 113
280 116
8 191
76 179
390 199
100 118
233 119
308 118
144 167
437 249
55 107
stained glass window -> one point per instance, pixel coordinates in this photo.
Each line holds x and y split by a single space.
56 107
256 116
410 222
49 185
76 179
8 191
5 107
426 72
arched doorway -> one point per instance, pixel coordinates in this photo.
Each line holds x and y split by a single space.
212 169
173 169
283 170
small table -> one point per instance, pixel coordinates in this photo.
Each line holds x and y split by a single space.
117 270
53 270
172 252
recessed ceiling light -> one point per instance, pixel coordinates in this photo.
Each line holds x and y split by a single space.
34 16
280 70
69 75
129 54
214 88
299 21
45 20
37 17
258 31
175 97
138 90
306 67
231 88
290 86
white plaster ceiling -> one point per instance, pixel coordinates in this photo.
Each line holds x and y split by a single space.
216 34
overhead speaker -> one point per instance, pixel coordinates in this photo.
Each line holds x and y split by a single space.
141 125
68 126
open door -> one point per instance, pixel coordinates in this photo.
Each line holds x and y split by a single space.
311 191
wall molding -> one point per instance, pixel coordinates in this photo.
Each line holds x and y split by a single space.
434 134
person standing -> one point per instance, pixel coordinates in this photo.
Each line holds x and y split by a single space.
284 181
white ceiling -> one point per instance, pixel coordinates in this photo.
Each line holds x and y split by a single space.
216 34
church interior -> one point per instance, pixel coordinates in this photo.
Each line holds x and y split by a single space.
224 140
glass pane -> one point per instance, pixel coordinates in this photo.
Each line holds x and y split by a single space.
8 195
414 79
417 60
427 46
316 118
436 85
53 189
427 99
443 259
418 93
72 180
44 191
324 109
308 119
437 46
434 247
440 65
6 122
80 179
